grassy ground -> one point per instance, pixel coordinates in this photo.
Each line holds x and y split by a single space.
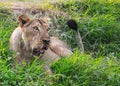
99 25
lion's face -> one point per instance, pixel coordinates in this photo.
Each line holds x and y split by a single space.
35 34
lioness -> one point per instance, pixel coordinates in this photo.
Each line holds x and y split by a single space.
31 38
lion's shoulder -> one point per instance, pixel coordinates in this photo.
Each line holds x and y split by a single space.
15 39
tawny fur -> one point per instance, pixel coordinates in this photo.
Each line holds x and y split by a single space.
22 43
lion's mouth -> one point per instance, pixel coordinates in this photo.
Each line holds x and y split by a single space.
37 52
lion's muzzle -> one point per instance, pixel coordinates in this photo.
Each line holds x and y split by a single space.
38 51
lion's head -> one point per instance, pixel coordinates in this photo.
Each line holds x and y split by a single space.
34 34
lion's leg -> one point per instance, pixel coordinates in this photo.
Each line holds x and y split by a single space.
49 57
59 47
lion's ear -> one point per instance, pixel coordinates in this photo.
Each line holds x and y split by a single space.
23 19
46 19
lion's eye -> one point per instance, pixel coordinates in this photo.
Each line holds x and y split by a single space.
36 28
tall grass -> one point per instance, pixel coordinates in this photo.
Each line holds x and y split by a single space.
99 25
77 70
81 70
98 22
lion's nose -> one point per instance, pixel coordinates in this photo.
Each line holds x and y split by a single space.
46 41
35 49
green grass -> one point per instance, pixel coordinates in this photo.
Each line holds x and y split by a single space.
81 70
99 25
77 70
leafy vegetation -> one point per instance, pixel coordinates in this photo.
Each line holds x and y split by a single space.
99 25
